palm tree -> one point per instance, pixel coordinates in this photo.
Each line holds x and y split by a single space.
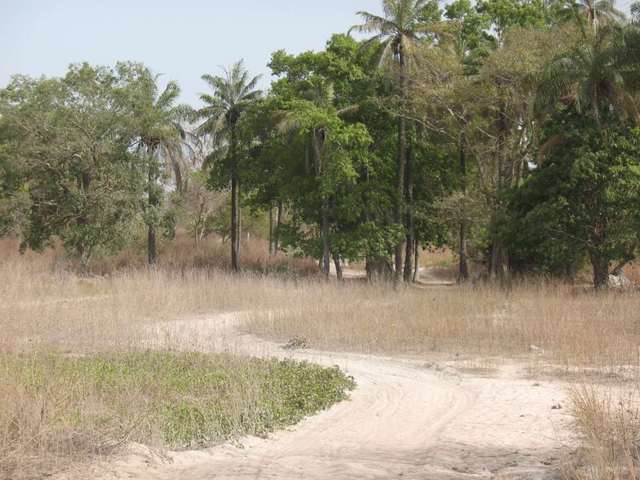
232 94
399 32
596 13
160 141
598 75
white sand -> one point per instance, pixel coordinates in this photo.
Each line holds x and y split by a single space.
404 421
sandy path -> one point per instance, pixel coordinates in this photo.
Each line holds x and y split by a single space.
404 420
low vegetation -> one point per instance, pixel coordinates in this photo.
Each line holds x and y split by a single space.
74 382
81 332
609 424
55 408
566 326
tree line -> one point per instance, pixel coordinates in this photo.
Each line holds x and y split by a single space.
507 130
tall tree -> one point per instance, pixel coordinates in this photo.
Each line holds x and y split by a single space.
596 74
71 141
159 135
231 95
399 31
324 177
327 86
583 201
594 13
317 116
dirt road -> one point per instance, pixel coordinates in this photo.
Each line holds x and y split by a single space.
405 420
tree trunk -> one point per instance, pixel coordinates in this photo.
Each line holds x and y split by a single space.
239 236
177 172
416 264
235 211
276 243
600 270
409 227
326 249
271 236
463 267
402 160
498 267
369 268
317 143
378 269
338 265
153 201
152 252
498 261
84 248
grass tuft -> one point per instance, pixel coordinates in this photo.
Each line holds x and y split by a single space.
609 424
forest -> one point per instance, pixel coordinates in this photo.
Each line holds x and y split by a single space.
504 130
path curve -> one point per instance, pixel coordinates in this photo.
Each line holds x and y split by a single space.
405 420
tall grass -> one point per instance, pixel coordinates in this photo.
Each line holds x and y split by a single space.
45 305
553 322
76 378
609 423
182 253
45 308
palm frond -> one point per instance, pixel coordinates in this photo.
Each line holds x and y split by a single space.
375 24
168 96
232 93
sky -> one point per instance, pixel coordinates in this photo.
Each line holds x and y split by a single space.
180 39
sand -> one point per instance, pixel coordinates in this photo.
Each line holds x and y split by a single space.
407 419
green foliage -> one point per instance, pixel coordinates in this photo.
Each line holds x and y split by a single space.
505 14
95 149
11 193
314 137
597 73
583 202
71 142
185 400
473 42
156 135
232 95
452 142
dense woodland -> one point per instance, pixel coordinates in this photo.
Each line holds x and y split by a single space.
507 130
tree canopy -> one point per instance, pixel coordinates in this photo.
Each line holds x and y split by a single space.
506 130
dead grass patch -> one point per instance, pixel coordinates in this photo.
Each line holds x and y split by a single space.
547 321
609 423
46 308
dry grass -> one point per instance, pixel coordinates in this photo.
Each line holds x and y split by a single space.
182 253
546 321
63 335
632 271
46 308
609 423
45 305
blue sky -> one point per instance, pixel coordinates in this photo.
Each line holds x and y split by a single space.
181 39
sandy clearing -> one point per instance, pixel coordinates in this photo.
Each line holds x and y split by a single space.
405 420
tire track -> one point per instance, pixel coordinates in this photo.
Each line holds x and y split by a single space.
403 421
